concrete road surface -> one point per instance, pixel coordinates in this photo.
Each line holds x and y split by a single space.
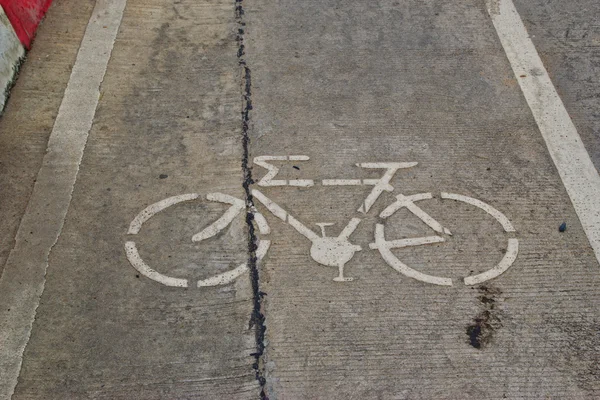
226 199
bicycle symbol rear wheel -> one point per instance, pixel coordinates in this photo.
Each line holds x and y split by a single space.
237 206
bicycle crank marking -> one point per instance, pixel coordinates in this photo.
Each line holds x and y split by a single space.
237 206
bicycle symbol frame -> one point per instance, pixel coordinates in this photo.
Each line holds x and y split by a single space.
326 250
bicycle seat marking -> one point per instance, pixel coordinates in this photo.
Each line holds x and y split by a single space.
327 250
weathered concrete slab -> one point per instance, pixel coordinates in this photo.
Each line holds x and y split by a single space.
333 90
428 82
167 123
29 116
567 37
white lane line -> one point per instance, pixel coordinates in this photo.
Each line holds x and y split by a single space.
23 280
572 161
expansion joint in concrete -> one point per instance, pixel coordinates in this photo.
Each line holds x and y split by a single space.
257 319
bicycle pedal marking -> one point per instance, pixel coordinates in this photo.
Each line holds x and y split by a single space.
331 251
237 206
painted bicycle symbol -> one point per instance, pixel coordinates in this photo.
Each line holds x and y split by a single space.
331 251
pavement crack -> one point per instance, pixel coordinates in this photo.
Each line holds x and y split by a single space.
257 319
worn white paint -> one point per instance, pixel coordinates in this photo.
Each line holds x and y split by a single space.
408 202
23 279
335 251
230 276
349 229
136 260
330 251
151 210
268 180
283 215
261 251
501 218
261 222
572 161
385 247
237 206
134 228
396 244
509 258
11 53
342 182
382 184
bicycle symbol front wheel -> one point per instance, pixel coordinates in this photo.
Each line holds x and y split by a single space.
385 247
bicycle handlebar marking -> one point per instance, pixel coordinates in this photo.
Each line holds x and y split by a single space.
332 251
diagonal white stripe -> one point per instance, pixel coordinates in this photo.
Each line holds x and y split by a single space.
22 282
572 161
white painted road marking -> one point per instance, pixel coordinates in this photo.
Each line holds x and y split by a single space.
327 250
572 161
237 207
485 207
152 209
283 215
382 184
409 203
268 180
509 258
138 263
51 196
384 246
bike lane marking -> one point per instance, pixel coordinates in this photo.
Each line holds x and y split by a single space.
576 170
237 206
151 210
23 280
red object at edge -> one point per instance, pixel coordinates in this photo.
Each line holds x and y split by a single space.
25 16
